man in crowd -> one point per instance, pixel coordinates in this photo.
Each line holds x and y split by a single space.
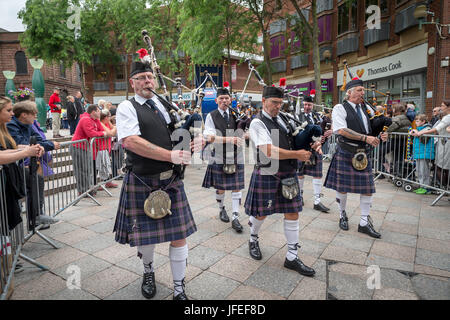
55 109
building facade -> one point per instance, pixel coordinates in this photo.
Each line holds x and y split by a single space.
400 57
13 58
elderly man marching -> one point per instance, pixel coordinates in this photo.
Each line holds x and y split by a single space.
274 182
312 169
350 170
225 170
152 184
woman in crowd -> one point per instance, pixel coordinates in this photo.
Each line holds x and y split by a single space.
103 162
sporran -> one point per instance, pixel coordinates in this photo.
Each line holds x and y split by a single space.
289 188
359 160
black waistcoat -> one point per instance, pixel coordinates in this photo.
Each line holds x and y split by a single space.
354 123
222 126
153 130
285 141
315 116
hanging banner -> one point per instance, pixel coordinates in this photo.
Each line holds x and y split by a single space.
216 71
234 72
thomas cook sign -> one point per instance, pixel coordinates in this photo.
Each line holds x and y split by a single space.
405 61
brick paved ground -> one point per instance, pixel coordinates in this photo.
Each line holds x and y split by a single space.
413 254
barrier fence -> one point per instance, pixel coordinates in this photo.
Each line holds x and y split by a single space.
55 182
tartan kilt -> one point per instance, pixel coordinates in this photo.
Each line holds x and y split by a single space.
342 177
264 195
312 171
133 226
219 180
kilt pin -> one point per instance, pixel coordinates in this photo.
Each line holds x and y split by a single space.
264 195
343 178
219 180
134 227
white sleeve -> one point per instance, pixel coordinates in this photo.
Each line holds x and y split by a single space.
443 124
338 118
210 128
259 133
127 121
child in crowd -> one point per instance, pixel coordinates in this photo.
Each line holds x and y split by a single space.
423 154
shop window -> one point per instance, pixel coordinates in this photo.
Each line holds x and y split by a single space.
324 25
100 73
62 70
277 46
21 63
78 69
412 85
120 72
347 16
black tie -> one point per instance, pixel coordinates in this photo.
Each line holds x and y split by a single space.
275 120
156 110
360 115
225 116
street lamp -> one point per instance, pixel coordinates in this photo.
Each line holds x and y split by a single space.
421 12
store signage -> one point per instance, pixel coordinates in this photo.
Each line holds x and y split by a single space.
405 61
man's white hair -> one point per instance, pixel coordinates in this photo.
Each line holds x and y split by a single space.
348 92
101 103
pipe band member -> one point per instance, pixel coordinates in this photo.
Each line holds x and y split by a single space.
350 169
274 183
143 127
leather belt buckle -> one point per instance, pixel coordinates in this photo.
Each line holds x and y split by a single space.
165 175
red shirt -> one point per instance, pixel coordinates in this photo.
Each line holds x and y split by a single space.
88 128
54 98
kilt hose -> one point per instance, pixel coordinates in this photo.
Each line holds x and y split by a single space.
133 226
264 195
343 178
219 180
312 171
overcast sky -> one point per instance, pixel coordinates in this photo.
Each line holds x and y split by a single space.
8 15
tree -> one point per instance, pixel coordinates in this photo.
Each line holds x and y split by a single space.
312 32
209 27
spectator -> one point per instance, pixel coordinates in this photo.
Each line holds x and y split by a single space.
436 116
113 110
86 104
423 153
103 162
101 104
21 129
64 122
442 146
55 108
88 128
74 110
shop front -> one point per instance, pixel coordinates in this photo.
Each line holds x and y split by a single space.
306 87
402 75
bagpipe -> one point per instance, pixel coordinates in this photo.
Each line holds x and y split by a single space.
304 134
378 121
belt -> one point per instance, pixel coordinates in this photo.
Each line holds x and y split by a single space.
160 176
350 148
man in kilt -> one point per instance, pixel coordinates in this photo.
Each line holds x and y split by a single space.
276 166
313 170
142 127
351 123
220 129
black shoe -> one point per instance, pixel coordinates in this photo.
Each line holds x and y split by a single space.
343 222
321 207
236 225
255 252
369 229
148 285
299 266
181 296
223 215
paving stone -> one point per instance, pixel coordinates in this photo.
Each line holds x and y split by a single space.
76 213
278 259
40 288
344 255
116 253
398 238
133 292
235 267
72 294
163 274
352 242
87 220
431 223
95 244
394 279
325 224
321 270
434 213
384 262
204 257
393 251
134 264
346 287
59 228
321 235
393 294
243 292
433 259
400 227
60 257
88 265
353 270
402 218
224 242
108 281
214 225
272 280
312 248
266 251
269 238
429 288
36 250
426 270
309 289
102 227
218 287
75 236
434 234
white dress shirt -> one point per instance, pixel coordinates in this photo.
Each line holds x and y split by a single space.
210 128
259 133
339 116
127 120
